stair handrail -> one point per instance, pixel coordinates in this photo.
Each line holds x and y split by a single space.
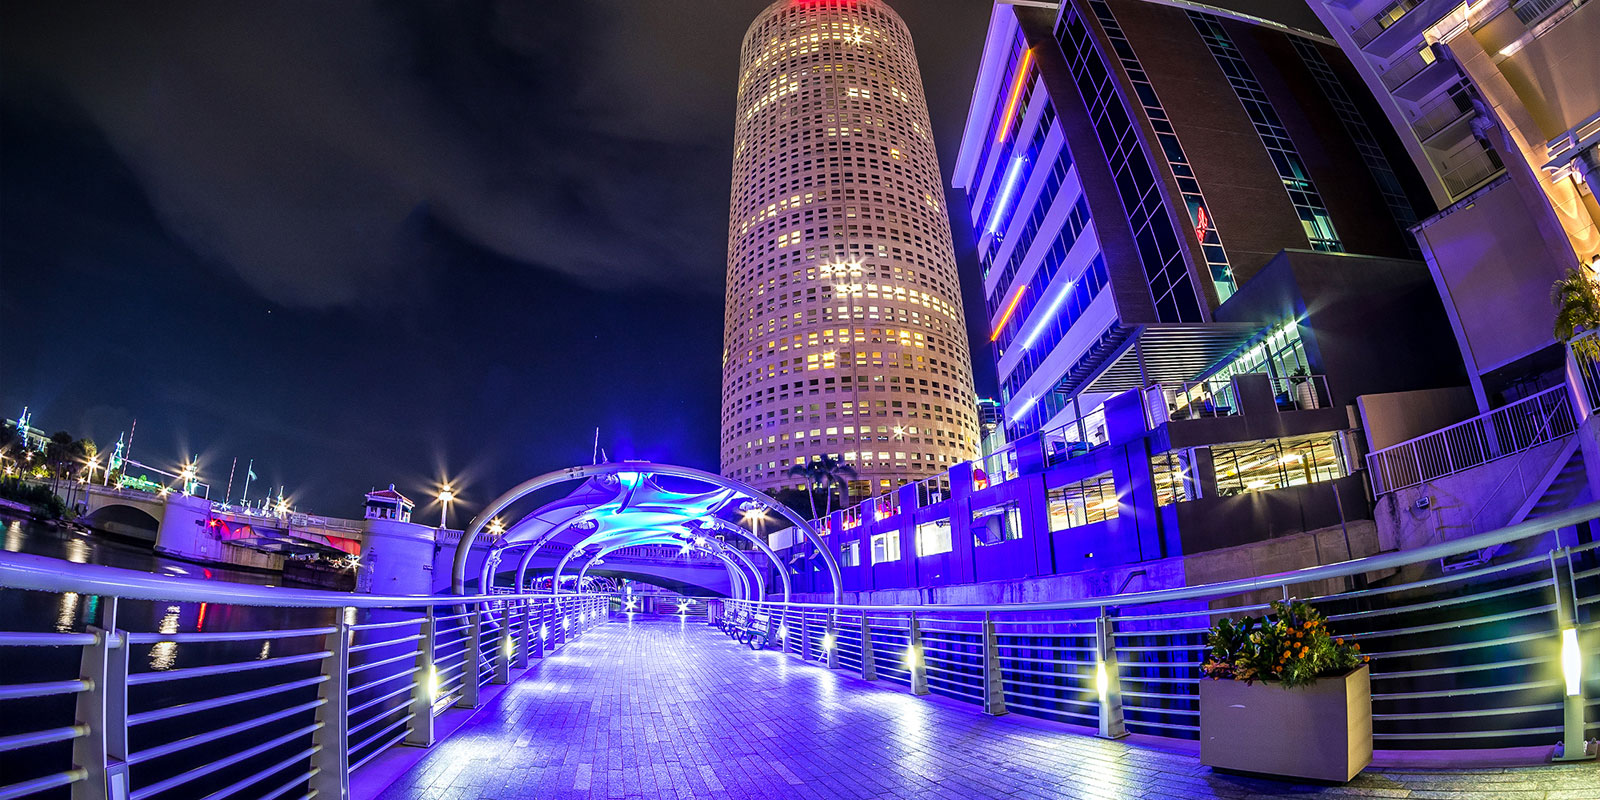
1377 464
1516 468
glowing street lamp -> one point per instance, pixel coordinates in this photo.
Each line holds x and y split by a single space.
446 497
496 527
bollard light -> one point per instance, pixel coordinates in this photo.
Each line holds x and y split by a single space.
1100 685
783 631
433 683
913 657
544 632
1571 662
506 645
827 641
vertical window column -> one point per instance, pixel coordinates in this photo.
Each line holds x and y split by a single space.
1274 136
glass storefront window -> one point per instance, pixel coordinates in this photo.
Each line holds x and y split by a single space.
933 538
1174 477
885 547
996 524
1277 464
1089 500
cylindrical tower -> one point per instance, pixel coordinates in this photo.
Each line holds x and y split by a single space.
843 334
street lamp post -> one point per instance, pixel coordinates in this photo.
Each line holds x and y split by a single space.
446 497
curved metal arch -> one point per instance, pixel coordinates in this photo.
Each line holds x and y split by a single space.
475 527
712 523
738 584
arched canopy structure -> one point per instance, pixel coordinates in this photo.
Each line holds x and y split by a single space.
633 502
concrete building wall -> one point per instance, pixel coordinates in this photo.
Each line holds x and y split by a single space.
1394 417
1493 264
1475 500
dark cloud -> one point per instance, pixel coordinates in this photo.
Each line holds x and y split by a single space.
295 147
373 242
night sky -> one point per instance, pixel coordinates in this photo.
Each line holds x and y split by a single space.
365 243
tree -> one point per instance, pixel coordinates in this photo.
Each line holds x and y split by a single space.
797 500
12 443
826 473
65 456
1577 301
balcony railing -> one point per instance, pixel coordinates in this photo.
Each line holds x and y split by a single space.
1439 114
1301 392
995 468
1466 660
343 679
1471 171
1191 400
1075 438
1505 431
1405 69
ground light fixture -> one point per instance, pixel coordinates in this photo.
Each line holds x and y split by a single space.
1573 746
913 657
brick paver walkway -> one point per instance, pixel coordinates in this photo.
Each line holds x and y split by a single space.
662 708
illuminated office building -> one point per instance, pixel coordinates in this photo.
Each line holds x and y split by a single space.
843 332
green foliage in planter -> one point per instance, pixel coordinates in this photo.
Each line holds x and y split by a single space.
1291 645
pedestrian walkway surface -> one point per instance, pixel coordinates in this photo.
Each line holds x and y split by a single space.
658 707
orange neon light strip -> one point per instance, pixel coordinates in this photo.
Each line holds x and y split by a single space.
1016 96
1010 307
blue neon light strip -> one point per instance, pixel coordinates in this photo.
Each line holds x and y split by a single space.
1002 207
1049 314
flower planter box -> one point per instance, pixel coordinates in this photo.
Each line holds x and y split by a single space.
1319 732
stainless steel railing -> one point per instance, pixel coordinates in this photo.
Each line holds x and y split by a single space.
1505 431
352 677
1461 660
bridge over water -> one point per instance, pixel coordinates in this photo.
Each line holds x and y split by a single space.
538 694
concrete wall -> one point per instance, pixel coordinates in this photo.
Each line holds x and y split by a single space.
1394 417
1491 492
183 534
396 558
1494 258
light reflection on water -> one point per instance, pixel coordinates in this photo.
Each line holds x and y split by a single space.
164 654
76 551
67 613
14 537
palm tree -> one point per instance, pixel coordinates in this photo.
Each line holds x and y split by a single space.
1577 301
826 473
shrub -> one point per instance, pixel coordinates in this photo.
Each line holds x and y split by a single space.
1291 645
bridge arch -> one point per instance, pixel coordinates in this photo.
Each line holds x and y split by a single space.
628 492
124 519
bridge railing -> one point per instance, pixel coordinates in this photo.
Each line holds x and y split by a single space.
302 689
1460 660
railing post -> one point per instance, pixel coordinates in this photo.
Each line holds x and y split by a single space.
1574 747
994 696
422 695
869 667
1107 680
332 760
472 660
805 637
507 646
914 659
103 708
526 634
541 629
830 640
